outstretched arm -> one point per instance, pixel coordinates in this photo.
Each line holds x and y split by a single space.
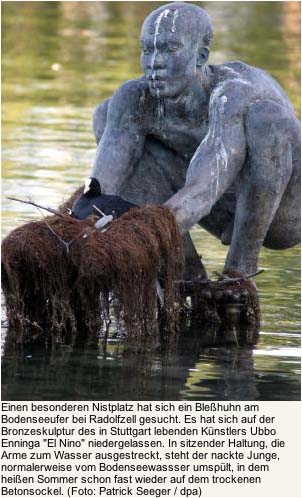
216 162
122 142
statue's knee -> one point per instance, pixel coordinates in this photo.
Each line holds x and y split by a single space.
226 236
282 237
99 119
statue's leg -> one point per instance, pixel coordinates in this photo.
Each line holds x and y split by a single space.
261 183
159 174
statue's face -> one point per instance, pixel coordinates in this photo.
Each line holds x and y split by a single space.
168 55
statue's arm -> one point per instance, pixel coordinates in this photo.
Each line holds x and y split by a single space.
215 164
122 141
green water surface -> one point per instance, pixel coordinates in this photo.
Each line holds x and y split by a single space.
59 59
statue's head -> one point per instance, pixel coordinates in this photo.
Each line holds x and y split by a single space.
175 43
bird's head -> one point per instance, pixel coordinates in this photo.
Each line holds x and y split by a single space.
83 205
92 187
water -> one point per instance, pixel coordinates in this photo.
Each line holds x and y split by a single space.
59 60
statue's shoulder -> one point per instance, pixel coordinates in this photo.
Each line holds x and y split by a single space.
237 71
133 91
130 100
234 74
243 84
235 85
232 82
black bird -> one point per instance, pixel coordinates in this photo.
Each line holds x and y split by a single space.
92 196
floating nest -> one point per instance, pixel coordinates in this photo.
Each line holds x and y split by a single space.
59 274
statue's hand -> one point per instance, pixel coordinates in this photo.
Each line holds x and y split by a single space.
86 204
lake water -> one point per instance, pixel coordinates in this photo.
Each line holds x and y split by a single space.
59 60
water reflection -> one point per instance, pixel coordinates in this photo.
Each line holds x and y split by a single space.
87 369
67 57
198 368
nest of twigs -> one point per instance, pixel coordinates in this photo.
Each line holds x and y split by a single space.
59 274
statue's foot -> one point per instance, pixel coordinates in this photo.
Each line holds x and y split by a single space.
236 298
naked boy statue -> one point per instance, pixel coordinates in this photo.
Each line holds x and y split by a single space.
219 145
